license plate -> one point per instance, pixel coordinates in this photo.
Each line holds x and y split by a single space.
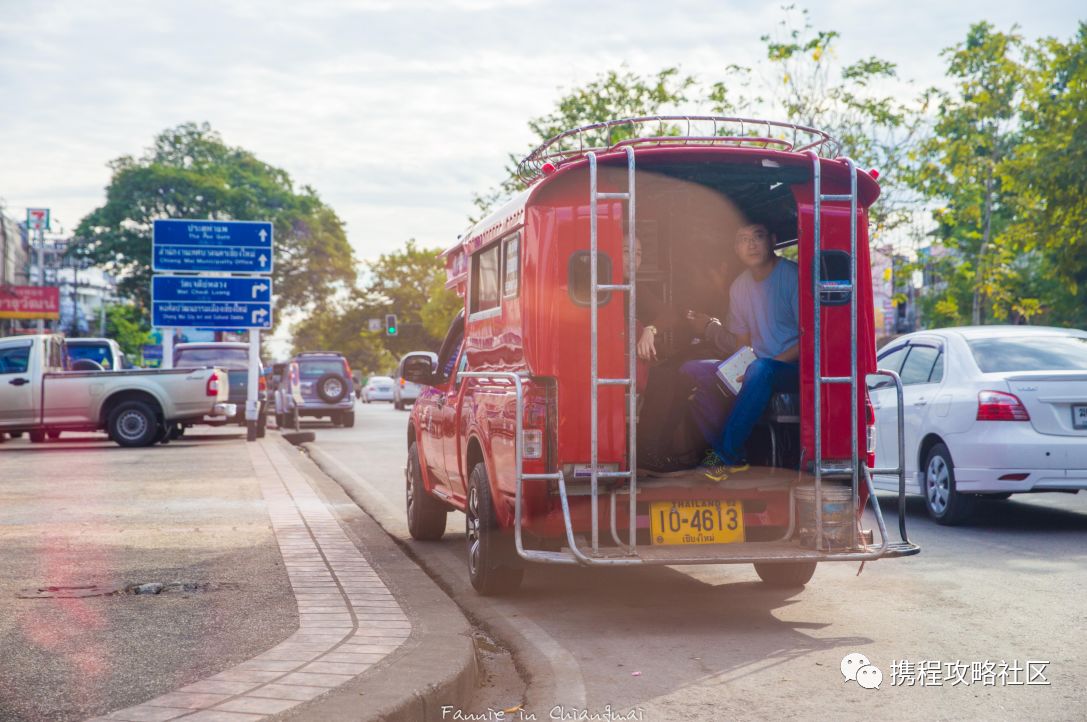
1079 416
696 522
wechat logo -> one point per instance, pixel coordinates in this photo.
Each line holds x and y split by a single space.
857 668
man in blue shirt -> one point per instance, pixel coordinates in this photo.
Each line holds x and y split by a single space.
764 314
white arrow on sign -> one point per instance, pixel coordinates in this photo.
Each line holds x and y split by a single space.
258 315
263 234
263 260
259 287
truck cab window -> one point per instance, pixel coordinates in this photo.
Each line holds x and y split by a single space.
14 359
485 278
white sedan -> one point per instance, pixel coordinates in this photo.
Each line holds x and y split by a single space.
990 411
377 388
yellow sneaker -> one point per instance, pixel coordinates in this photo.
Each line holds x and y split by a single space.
713 467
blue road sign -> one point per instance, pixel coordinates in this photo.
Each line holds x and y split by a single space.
226 246
211 302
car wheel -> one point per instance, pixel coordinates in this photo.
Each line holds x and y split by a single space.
493 564
795 574
37 437
133 423
426 515
943 502
53 435
348 420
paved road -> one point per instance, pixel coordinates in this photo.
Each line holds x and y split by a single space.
711 642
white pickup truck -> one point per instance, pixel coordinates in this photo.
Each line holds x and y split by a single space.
136 408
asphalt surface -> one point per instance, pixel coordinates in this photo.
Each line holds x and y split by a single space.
711 642
83 511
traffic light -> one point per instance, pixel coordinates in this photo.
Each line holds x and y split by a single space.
390 324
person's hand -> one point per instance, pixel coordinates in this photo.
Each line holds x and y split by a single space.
647 349
698 321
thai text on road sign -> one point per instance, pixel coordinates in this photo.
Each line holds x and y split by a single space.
211 302
222 246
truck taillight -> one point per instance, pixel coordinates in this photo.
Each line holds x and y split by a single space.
1000 406
212 388
538 433
346 369
401 382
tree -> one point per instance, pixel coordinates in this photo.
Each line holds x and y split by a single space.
1048 174
963 164
802 82
128 326
189 172
611 95
410 283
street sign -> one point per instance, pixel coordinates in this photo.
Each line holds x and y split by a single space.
375 325
224 246
210 302
37 219
151 355
29 302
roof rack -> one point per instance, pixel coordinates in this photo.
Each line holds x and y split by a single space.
676 130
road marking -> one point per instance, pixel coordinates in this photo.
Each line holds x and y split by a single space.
348 619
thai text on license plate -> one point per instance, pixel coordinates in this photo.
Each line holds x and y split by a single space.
696 522
1079 416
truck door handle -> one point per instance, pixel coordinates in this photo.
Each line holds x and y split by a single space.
19 381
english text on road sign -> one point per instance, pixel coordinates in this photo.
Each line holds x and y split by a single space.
210 302
226 246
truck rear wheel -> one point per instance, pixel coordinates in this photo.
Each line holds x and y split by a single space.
794 574
133 423
493 564
37 437
426 515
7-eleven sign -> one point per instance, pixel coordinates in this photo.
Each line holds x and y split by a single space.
37 219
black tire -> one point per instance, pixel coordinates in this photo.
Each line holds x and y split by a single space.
53 435
15 434
331 388
493 565
176 432
426 515
943 502
133 424
336 419
37 437
787 575
348 420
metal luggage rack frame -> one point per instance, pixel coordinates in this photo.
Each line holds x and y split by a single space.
677 130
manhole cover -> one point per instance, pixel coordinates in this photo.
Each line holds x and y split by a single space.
183 587
68 591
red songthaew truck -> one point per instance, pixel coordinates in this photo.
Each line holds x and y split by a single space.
528 422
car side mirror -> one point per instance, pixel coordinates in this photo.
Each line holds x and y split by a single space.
420 367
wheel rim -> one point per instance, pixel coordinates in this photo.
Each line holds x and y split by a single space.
333 388
132 425
937 484
410 486
472 531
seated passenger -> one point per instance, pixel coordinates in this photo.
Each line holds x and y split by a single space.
764 314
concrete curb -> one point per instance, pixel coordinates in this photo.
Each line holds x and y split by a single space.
434 668
545 670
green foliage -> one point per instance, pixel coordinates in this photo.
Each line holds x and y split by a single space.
189 172
410 283
610 96
127 324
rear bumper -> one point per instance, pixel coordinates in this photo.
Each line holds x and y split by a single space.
317 408
221 413
1008 448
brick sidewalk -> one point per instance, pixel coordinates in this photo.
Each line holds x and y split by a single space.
348 618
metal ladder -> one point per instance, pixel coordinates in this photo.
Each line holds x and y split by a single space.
630 382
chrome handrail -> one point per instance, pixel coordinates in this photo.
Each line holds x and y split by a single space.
669 130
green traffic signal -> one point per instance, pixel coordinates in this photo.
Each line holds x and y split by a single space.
390 324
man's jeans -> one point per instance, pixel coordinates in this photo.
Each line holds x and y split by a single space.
710 405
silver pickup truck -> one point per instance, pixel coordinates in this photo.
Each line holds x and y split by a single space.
136 408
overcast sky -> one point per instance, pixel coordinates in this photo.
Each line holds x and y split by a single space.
396 111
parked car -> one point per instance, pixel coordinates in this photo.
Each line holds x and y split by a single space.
989 411
378 388
234 357
137 408
105 352
404 392
317 384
